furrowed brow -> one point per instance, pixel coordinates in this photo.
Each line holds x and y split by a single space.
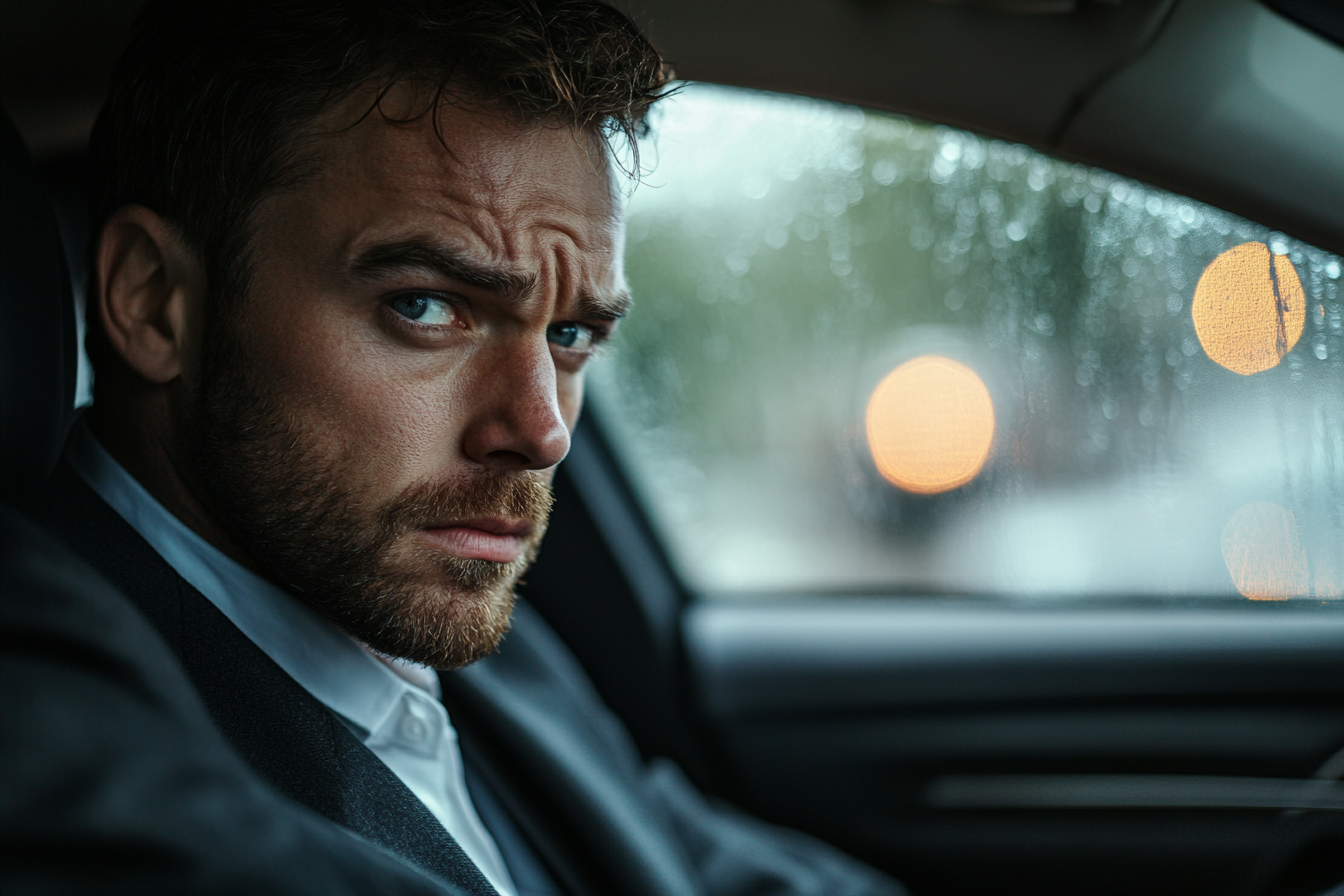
383 261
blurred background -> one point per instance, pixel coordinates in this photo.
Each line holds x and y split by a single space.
875 355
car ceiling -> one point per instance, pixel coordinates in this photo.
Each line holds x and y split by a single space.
1224 100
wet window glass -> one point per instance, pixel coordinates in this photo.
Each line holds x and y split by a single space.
871 355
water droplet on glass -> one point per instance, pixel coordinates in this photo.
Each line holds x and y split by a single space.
738 263
885 171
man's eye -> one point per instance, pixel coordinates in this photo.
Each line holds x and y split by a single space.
424 308
572 336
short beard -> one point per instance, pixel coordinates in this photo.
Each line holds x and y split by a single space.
292 507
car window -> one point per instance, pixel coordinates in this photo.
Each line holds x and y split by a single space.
871 354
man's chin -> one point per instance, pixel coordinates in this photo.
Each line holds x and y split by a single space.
436 627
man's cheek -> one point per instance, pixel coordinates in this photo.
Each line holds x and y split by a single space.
403 435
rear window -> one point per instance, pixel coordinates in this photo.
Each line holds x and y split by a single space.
876 355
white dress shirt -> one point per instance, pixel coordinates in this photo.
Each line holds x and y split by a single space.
390 705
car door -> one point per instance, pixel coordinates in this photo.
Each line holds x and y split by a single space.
977 511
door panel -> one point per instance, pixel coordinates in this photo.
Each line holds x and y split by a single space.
1044 750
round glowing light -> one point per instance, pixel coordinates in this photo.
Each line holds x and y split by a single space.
930 425
1263 553
1249 308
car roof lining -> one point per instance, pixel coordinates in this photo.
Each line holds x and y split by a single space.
1026 78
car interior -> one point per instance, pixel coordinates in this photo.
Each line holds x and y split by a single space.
1101 649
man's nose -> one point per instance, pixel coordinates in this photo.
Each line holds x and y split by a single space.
518 422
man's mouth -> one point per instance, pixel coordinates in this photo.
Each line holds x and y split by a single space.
497 540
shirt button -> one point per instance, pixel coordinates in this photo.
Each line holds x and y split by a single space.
413 729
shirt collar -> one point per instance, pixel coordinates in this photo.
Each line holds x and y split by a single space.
324 660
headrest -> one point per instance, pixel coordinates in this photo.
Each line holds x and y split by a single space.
38 350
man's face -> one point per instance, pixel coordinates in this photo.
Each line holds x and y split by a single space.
379 422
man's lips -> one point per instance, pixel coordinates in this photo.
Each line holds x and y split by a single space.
499 540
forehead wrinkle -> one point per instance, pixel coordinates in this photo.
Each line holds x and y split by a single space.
519 223
382 260
578 265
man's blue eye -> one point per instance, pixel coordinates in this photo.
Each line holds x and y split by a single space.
569 335
425 308
413 307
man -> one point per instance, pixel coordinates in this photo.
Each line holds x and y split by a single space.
351 261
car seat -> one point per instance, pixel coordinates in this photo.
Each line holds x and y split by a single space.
38 349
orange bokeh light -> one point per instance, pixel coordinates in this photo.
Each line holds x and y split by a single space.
1263 553
930 425
1249 308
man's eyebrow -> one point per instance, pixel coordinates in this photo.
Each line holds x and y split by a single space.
608 308
385 259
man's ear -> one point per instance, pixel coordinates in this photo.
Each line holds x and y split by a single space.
148 280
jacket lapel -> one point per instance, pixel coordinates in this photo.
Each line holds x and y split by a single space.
529 718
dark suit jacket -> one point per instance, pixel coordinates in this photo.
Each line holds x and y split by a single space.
112 777
530 724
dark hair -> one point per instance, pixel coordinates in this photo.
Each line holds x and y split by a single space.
209 101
